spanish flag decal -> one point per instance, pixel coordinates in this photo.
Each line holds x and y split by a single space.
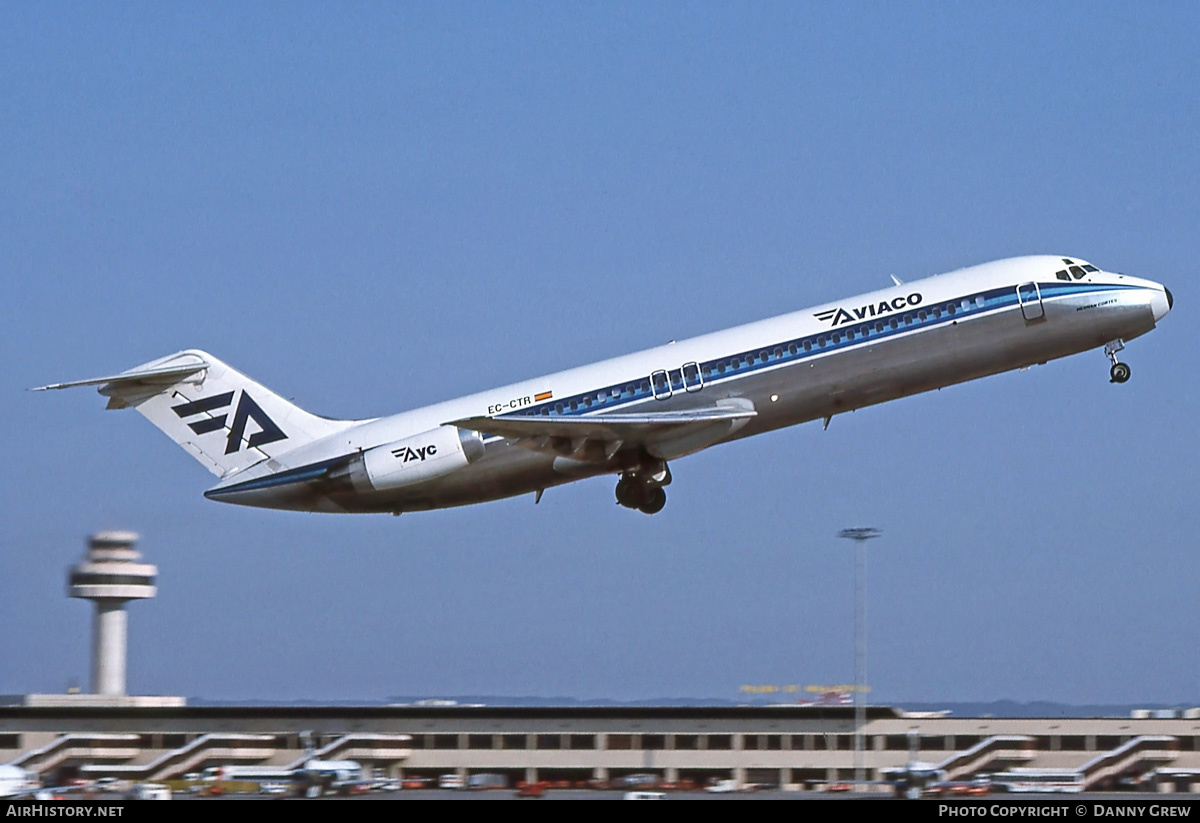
546 395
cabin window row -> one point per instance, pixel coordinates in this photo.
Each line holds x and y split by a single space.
674 380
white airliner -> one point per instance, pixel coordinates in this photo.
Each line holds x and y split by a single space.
630 415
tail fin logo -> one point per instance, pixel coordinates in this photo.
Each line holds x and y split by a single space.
247 409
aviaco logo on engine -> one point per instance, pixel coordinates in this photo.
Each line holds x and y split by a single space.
841 316
247 409
408 454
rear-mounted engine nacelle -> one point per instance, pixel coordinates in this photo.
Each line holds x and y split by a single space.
412 460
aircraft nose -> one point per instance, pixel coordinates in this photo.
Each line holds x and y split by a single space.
1162 303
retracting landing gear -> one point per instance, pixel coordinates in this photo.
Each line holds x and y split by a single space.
642 489
1119 372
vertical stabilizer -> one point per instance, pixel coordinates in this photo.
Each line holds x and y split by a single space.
221 417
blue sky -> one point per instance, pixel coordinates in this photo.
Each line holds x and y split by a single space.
371 207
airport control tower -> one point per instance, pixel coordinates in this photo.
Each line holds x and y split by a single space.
111 576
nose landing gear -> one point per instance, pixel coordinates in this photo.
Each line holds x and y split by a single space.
1119 372
642 489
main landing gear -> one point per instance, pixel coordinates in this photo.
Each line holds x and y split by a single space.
642 489
1119 372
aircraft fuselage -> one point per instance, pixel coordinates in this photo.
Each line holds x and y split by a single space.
631 414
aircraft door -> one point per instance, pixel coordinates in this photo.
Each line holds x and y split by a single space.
661 383
1029 296
692 379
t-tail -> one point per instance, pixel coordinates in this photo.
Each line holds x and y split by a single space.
221 417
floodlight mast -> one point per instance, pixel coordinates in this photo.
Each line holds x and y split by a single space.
860 536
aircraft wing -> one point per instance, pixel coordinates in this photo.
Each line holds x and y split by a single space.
624 427
596 439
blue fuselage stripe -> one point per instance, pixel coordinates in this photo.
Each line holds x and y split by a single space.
836 338
312 471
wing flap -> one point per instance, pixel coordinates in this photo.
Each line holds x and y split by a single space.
609 427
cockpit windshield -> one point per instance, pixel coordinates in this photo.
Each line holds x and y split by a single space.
1075 270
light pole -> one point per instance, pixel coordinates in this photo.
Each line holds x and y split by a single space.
860 536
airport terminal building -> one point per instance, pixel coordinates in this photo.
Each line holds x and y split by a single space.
801 748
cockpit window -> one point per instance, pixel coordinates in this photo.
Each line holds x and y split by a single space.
1062 275
1077 272
1090 268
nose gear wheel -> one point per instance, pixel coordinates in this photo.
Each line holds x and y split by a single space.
1119 373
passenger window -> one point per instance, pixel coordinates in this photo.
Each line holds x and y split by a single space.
936 312
950 309
821 342
837 337
807 346
879 326
922 316
979 301
779 353
894 323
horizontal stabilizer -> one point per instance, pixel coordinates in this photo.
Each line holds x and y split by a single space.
164 374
